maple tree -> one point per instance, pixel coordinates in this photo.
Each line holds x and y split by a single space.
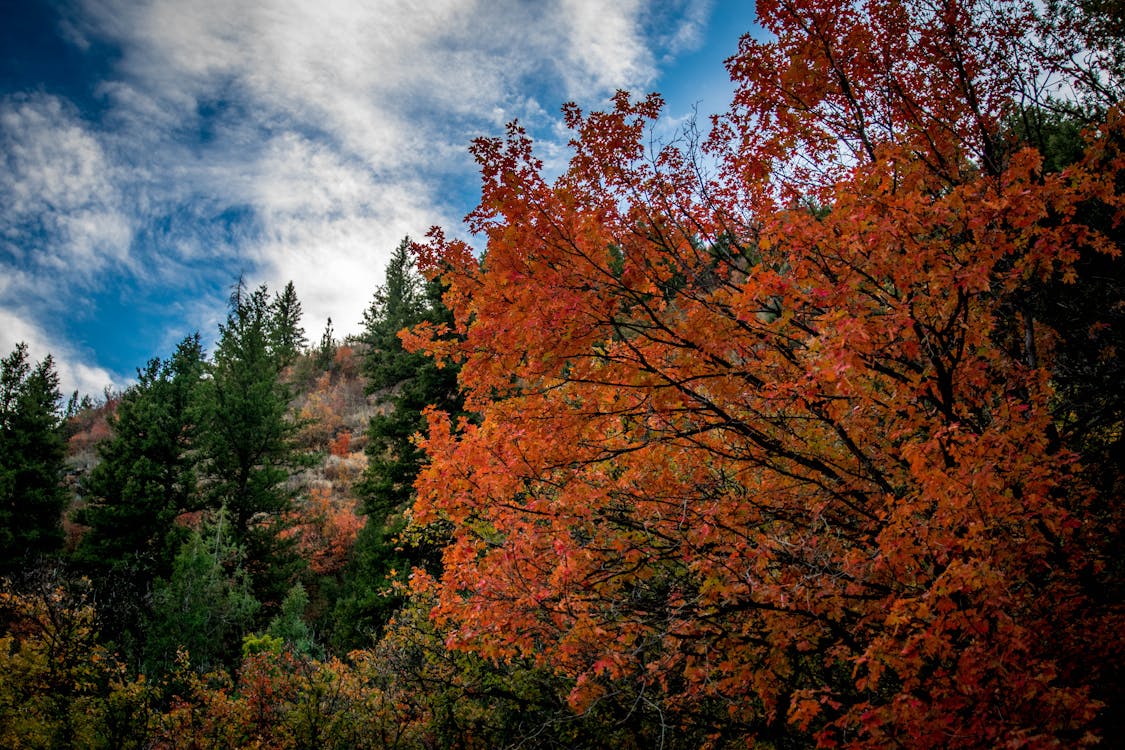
807 433
773 449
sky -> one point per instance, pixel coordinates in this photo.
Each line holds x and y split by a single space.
154 151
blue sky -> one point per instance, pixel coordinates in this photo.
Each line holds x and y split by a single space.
153 150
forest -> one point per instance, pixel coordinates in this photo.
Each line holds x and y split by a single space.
802 430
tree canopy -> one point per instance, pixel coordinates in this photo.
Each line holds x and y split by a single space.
781 439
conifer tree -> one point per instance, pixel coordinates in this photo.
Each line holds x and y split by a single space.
146 476
397 304
246 440
326 350
206 605
31 459
407 382
288 339
145 479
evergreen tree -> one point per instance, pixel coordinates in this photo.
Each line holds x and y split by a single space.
206 605
145 479
289 625
326 350
288 337
1087 313
406 382
246 440
146 476
398 304
75 405
31 459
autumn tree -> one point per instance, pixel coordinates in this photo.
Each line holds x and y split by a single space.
59 685
773 451
31 459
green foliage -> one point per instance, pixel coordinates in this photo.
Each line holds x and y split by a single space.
31 459
245 432
1086 313
1101 25
146 476
369 597
405 383
75 405
397 304
289 626
288 337
246 439
207 604
326 350
261 643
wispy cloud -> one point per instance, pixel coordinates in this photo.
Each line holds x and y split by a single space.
295 140
59 206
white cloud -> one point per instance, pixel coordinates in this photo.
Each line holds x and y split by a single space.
62 224
345 114
330 223
385 80
604 48
75 370
687 29
59 207
305 138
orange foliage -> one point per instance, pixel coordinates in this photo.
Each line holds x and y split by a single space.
341 445
321 414
280 702
735 451
345 362
91 427
326 528
330 406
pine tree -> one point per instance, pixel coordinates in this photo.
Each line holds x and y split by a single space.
145 479
31 459
246 440
206 605
288 337
397 304
146 476
326 350
406 383
289 625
